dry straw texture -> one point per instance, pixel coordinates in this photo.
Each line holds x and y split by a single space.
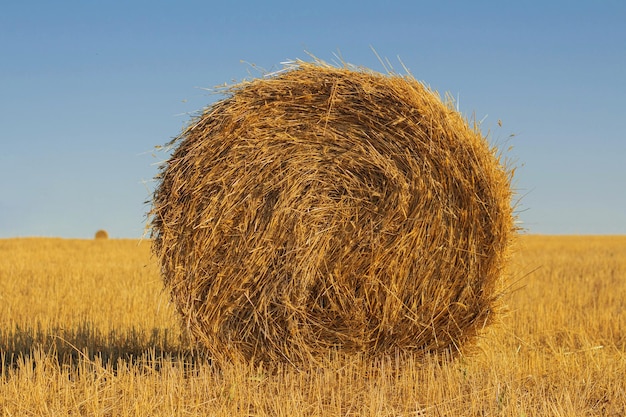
332 209
101 234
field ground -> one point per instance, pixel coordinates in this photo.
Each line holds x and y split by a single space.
86 329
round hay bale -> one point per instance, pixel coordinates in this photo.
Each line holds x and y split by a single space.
101 234
332 209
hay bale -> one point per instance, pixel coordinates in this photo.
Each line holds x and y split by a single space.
332 209
101 234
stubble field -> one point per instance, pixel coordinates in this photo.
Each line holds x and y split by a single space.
86 329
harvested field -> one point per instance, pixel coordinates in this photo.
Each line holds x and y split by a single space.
86 329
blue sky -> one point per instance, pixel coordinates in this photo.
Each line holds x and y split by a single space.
87 89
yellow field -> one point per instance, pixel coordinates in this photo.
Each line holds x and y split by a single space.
85 329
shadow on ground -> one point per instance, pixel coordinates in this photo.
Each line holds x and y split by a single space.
85 343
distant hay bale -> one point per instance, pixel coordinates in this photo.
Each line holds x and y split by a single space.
332 209
101 234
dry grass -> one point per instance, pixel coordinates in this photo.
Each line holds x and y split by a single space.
327 208
560 351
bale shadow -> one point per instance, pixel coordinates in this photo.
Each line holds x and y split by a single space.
73 348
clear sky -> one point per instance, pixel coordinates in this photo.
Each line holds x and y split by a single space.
88 88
